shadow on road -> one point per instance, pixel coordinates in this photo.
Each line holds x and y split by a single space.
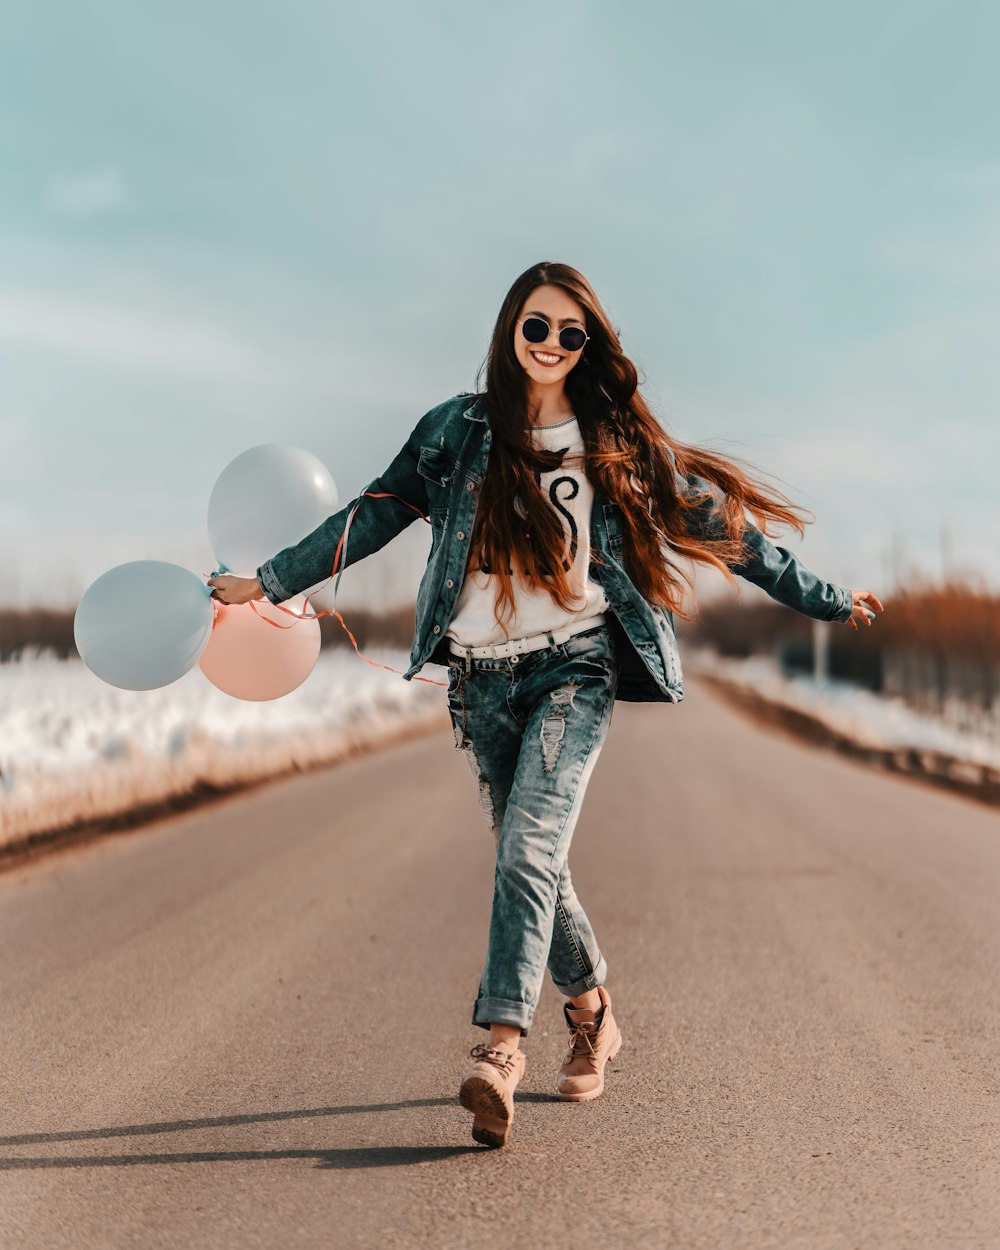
350 1157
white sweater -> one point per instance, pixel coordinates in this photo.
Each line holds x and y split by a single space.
571 495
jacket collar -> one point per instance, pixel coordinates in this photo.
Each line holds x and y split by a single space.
477 412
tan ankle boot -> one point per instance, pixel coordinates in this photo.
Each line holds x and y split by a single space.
591 1046
488 1091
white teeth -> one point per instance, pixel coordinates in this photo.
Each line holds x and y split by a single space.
545 360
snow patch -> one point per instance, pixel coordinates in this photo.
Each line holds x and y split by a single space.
73 748
878 721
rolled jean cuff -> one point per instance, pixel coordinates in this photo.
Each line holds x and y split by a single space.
589 982
487 1011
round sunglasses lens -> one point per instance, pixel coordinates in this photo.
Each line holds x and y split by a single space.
572 339
534 330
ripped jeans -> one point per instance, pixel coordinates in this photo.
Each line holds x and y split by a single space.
531 728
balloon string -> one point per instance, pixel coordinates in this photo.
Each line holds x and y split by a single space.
338 572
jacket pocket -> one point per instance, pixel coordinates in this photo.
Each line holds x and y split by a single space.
436 465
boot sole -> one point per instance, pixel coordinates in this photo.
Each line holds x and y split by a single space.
491 1121
587 1095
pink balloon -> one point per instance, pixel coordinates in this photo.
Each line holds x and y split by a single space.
250 659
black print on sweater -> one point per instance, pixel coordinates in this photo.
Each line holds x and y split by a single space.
557 503
574 486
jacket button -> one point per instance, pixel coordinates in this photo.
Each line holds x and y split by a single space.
460 534
437 629
449 582
470 486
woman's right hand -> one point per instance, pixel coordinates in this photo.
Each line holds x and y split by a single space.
232 589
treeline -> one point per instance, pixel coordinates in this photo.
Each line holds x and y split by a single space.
741 630
52 630
935 644
372 629
44 628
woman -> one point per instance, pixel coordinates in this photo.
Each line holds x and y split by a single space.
549 593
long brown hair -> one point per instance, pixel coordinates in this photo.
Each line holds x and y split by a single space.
628 459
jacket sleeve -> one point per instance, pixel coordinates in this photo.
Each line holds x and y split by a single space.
774 569
377 521
788 581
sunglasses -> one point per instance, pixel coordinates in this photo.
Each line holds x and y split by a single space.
536 330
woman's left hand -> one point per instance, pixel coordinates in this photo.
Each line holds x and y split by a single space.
862 613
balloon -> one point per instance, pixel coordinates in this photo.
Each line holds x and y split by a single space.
250 659
267 499
144 624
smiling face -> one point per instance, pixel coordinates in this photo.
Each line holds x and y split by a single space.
548 363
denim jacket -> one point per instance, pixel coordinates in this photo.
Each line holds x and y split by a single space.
440 471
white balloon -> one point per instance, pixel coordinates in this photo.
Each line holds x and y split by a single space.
268 498
144 624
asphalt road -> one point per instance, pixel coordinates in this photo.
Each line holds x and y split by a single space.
245 1026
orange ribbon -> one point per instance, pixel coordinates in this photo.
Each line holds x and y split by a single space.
338 571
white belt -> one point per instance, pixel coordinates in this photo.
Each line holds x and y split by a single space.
518 646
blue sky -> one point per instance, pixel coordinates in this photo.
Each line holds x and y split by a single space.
226 224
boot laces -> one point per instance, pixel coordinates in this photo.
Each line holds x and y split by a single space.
495 1055
581 1040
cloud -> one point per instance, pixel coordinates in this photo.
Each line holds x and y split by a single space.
159 334
128 336
88 195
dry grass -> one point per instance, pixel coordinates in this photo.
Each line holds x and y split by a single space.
960 616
